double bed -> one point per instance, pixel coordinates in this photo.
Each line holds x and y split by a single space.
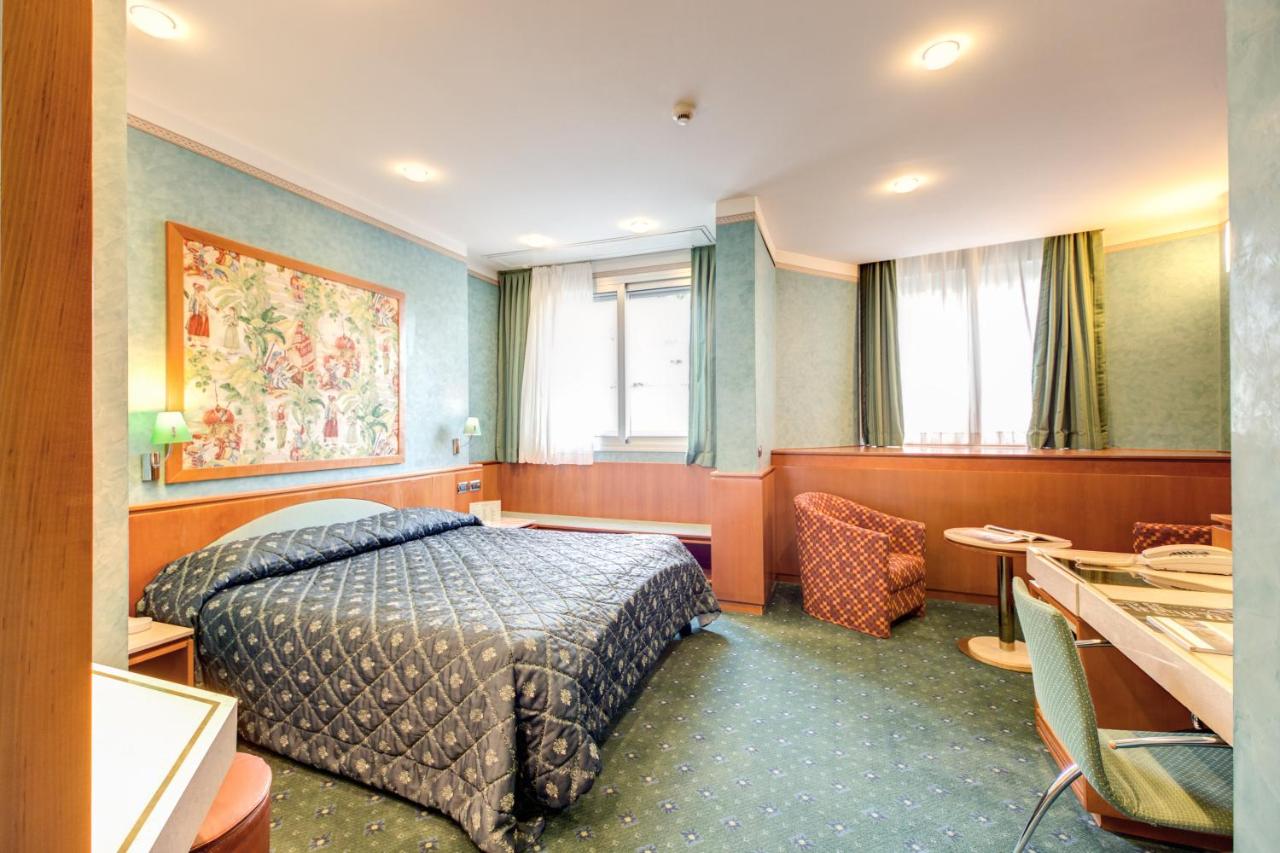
470 669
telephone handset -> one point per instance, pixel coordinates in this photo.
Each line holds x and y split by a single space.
1207 559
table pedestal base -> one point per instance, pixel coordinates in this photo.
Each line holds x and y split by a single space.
991 651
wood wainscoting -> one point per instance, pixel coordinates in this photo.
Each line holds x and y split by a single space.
742 538
1090 497
160 533
649 491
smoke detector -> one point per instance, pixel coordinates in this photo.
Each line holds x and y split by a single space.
682 113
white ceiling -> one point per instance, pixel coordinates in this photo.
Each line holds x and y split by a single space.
554 116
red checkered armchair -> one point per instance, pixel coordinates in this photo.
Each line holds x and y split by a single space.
858 568
1150 534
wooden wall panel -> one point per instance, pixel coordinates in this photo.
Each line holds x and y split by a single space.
160 533
46 469
1092 499
741 539
652 491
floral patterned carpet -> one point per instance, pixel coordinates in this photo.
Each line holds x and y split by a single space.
774 733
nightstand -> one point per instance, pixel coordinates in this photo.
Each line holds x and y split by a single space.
164 651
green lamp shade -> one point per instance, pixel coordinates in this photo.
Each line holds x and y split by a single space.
171 428
471 427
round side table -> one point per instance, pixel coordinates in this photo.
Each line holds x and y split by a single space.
1003 651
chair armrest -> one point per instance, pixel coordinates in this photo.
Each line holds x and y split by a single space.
1168 740
905 536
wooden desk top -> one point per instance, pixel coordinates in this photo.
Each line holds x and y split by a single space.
1202 682
972 537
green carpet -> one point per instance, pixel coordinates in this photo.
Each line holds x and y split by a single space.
774 733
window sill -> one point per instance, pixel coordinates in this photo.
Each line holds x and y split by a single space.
642 445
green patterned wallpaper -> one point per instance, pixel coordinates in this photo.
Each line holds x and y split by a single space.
816 332
736 346
1253 95
167 182
1164 344
482 363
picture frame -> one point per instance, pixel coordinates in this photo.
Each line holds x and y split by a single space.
277 364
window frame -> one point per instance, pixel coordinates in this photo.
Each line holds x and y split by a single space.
660 279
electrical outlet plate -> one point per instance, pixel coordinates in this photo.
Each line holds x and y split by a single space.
475 485
462 487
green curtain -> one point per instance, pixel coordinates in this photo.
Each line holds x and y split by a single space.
1068 391
702 359
879 375
513 329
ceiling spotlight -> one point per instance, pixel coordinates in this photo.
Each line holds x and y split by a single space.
940 54
682 113
639 225
414 172
905 184
536 241
153 22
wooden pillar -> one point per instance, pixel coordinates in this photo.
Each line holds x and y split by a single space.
742 512
45 424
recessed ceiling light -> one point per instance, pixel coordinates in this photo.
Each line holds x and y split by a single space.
153 22
639 225
940 54
905 184
536 241
414 172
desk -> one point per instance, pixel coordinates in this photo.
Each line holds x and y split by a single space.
1201 682
160 752
1003 651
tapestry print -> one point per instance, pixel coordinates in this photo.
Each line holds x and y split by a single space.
283 366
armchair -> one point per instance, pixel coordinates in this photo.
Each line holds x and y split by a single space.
859 568
1150 534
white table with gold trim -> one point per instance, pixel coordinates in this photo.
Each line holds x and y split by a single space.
160 753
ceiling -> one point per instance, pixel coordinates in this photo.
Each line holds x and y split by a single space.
555 117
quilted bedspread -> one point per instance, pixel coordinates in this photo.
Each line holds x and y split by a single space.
470 669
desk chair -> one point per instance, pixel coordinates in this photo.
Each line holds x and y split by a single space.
1154 777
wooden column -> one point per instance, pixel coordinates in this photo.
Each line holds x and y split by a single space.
46 483
742 515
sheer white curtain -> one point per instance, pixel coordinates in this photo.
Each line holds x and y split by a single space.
965 329
556 426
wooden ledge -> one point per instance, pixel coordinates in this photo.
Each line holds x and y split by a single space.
1002 452
586 524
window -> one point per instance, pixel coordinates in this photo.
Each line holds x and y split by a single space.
639 375
966 323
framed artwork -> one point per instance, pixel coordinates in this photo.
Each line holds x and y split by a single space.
278 365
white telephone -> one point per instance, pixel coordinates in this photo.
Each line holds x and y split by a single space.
1189 558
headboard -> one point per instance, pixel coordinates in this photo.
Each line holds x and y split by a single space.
162 532
308 514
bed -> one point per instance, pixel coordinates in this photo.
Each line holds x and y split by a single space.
473 670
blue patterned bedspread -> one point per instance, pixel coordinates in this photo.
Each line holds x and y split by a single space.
470 669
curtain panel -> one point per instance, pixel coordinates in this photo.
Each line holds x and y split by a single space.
1069 394
965 326
513 328
556 425
879 374
702 359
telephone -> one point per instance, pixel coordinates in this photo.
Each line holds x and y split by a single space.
1189 558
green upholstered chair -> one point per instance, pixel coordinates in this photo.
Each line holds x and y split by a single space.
1154 777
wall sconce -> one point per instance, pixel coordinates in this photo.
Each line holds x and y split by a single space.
170 429
470 430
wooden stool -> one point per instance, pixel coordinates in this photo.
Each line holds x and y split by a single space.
239 821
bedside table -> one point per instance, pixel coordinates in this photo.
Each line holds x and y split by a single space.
164 651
